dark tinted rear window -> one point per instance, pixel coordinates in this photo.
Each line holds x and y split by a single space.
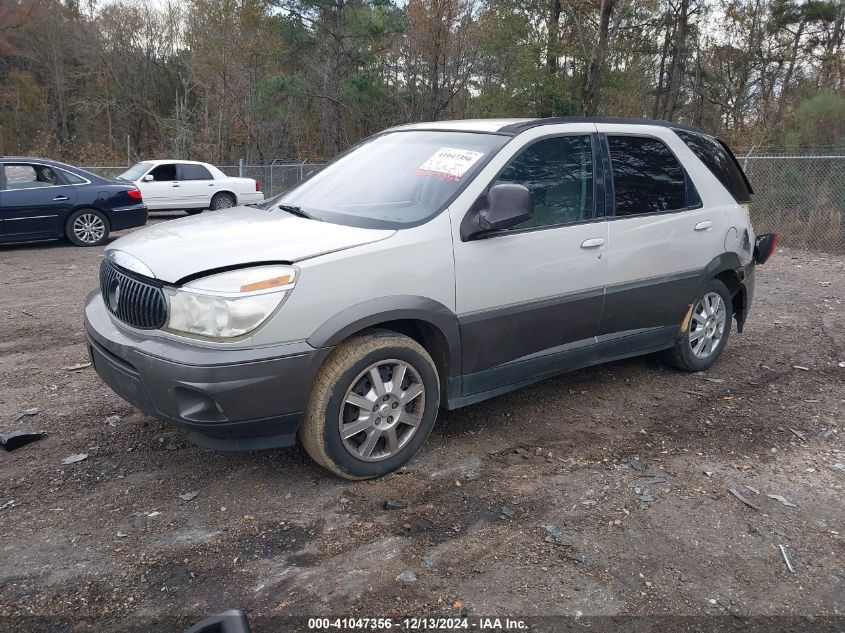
646 176
720 161
194 172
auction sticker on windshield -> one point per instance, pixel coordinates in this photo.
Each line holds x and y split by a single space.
449 163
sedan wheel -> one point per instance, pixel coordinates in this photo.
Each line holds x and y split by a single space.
87 227
222 201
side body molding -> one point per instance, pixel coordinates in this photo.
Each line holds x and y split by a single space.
394 308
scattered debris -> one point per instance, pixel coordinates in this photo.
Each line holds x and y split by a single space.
646 498
782 500
187 496
647 480
715 380
841 363
751 488
11 503
508 512
28 412
392 504
72 459
799 435
709 473
829 434
637 465
113 420
801 367
77 367
838 466
743 499
555 534
153 514
121 534
407 576
693 392
16 439
786 559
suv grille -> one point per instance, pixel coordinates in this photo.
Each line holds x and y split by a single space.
138 303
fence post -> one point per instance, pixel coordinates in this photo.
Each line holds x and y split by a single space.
240 168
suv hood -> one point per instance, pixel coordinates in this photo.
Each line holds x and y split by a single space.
175 249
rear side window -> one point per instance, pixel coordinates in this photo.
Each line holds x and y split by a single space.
73 179
194 172
647 177
720 161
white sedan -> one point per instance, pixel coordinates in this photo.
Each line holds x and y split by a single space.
189 185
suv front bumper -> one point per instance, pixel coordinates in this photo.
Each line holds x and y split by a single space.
231 399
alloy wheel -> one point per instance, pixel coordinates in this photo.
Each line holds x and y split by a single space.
707 326
89 228
381 410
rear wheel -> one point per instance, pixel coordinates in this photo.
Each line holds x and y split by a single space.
707 332
222 201
87 227
372 406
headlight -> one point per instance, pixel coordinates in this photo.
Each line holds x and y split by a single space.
228 304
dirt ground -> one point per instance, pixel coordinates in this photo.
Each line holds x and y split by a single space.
604 492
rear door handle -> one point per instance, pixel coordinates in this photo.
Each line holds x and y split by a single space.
60 198
703 226
593 242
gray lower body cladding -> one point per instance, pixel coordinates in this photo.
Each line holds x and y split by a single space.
233 399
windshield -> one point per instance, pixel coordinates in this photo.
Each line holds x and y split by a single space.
393 180
135 172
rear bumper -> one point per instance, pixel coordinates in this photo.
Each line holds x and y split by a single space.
227 399
251 198
128 217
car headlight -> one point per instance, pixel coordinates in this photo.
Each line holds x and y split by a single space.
228 304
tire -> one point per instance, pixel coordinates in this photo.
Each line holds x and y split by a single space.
193 211
697 352
346 374
87 227
222 201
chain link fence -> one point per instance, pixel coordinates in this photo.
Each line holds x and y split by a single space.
800 197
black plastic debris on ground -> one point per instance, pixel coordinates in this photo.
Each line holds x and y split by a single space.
16 439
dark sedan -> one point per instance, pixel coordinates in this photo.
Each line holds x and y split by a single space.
43 199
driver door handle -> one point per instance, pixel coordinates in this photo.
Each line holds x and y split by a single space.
60 198
593 242
703 226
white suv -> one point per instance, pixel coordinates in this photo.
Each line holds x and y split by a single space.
434 264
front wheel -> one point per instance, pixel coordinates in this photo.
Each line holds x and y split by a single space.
707 331
372 405
87 227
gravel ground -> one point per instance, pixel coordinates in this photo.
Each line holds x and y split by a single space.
604 492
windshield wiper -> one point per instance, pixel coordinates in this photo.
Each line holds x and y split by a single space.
294 210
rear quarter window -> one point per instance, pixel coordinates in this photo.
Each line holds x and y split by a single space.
720 161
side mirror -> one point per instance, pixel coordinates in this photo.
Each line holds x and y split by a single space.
503 206
227 622
147 178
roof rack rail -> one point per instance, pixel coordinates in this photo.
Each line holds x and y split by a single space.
516 128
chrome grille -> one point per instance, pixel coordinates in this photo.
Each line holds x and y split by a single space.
138 303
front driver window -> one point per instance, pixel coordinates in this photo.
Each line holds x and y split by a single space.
164 173
559 174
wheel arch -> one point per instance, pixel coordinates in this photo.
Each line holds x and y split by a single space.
228 191
428 322
728 269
